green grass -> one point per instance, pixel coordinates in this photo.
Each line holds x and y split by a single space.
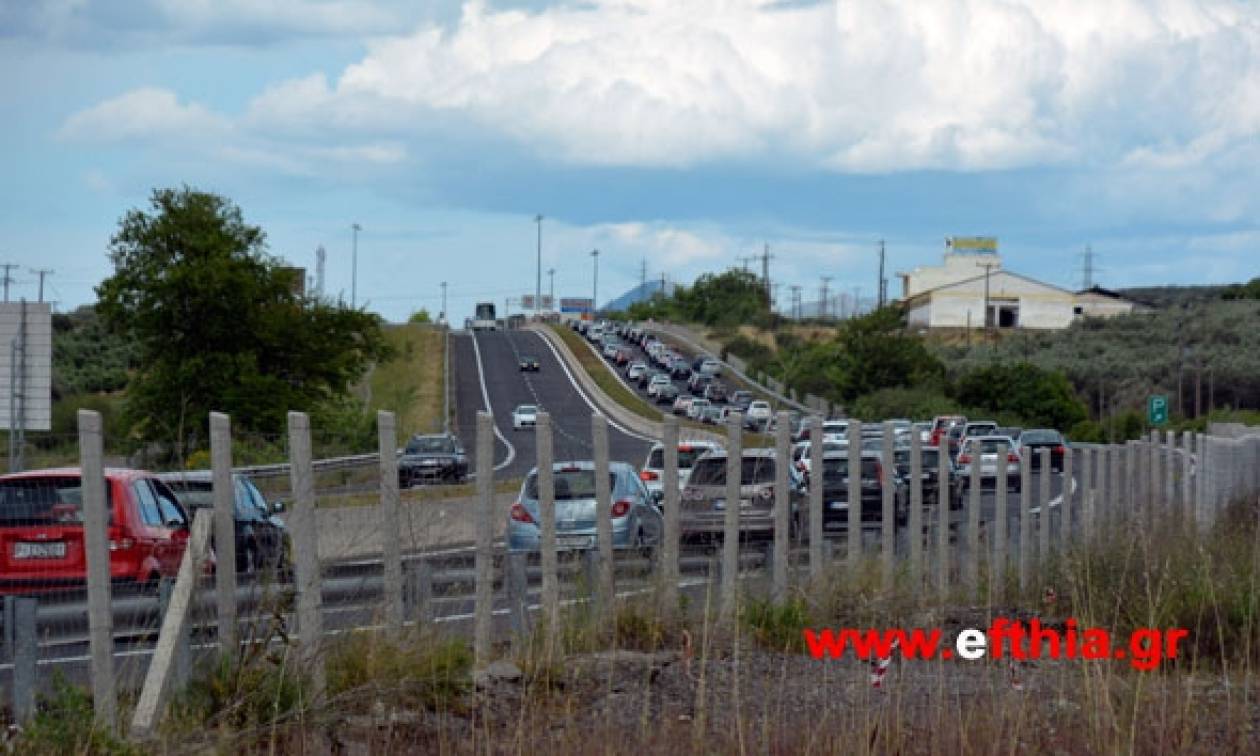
411 384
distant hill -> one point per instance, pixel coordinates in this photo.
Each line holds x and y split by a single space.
640 293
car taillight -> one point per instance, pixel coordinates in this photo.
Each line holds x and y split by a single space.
964 459
521 514
1012 457
1058 449
621 508
647 475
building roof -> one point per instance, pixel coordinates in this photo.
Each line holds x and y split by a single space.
999 272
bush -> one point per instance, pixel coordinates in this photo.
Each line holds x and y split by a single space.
416 671
778 627
914 403
1040 397
66 723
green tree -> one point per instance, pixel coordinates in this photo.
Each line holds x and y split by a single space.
1038 396
420 317
874 352
217 324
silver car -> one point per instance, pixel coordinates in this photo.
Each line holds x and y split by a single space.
636 518
997 456
704 497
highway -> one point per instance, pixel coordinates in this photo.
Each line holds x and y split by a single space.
486 368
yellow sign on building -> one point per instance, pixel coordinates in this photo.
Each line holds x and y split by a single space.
972 243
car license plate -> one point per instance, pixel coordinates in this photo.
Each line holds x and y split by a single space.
575 542
838 505
46 550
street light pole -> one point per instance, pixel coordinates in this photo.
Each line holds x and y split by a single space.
551 274
538 279
595 283
354 266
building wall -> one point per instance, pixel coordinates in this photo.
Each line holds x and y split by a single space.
1040 307
1095 306
957 267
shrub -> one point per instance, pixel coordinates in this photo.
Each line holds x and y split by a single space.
66 723
778 627
417 670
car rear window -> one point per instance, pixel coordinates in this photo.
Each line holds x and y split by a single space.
836 470
753 471
989 446
570 484
436 445
45 501
931 458
1041 437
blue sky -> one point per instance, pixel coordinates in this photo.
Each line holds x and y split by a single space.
684 134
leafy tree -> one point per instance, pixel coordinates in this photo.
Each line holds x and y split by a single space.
218 325
875 352
420 317
1249 290
1040 397
915 403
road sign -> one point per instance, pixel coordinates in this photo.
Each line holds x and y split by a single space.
1157 409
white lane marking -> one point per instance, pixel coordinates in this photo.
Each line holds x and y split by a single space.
1056 501
485 397
573 382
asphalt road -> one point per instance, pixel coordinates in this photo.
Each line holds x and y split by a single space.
506 387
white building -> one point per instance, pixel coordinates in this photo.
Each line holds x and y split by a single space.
1097 302
1014 301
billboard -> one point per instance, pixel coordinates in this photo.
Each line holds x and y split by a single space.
575 304
972 243
26 365
527 302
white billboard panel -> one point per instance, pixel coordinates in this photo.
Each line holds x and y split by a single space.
33 382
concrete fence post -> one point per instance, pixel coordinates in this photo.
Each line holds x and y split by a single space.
390 527
1201 480
1115 484
975 484
1187 478
25 657
1085 513
10 606
310 612
603 511
1155 476
915 520
782 507
418 591
1025 520
944 482
670 571
516 586
816 481
483 538
1170 470
1069 513
854 494
182 665
543 441
1043 519
997 569
96 518
224 528
730 531
888 519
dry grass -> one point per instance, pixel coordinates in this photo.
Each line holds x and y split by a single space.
412 384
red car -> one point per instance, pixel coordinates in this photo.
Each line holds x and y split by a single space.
941 426
41 529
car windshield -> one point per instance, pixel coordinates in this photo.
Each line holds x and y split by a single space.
1041 437
433 445
753 471
526 409
45 501
570 484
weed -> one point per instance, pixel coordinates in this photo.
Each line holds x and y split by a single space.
418 670
778 627
65 723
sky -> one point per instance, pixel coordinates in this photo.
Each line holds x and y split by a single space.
675 137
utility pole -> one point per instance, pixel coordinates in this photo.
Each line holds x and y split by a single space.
595 283
880 290
822 297
662 285
8 279
538 279
41 272
442 317
774 295
766 257
354 266
796 301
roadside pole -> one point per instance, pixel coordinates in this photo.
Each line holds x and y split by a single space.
391 552
224 528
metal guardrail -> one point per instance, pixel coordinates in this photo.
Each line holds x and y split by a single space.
320 465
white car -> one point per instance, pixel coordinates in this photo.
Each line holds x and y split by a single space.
711 367
636 369
837 429
524 416
656 382
653 472
697 408
759 411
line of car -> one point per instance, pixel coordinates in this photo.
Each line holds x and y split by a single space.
702 466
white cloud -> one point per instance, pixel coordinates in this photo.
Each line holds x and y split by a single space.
145 113
854 85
